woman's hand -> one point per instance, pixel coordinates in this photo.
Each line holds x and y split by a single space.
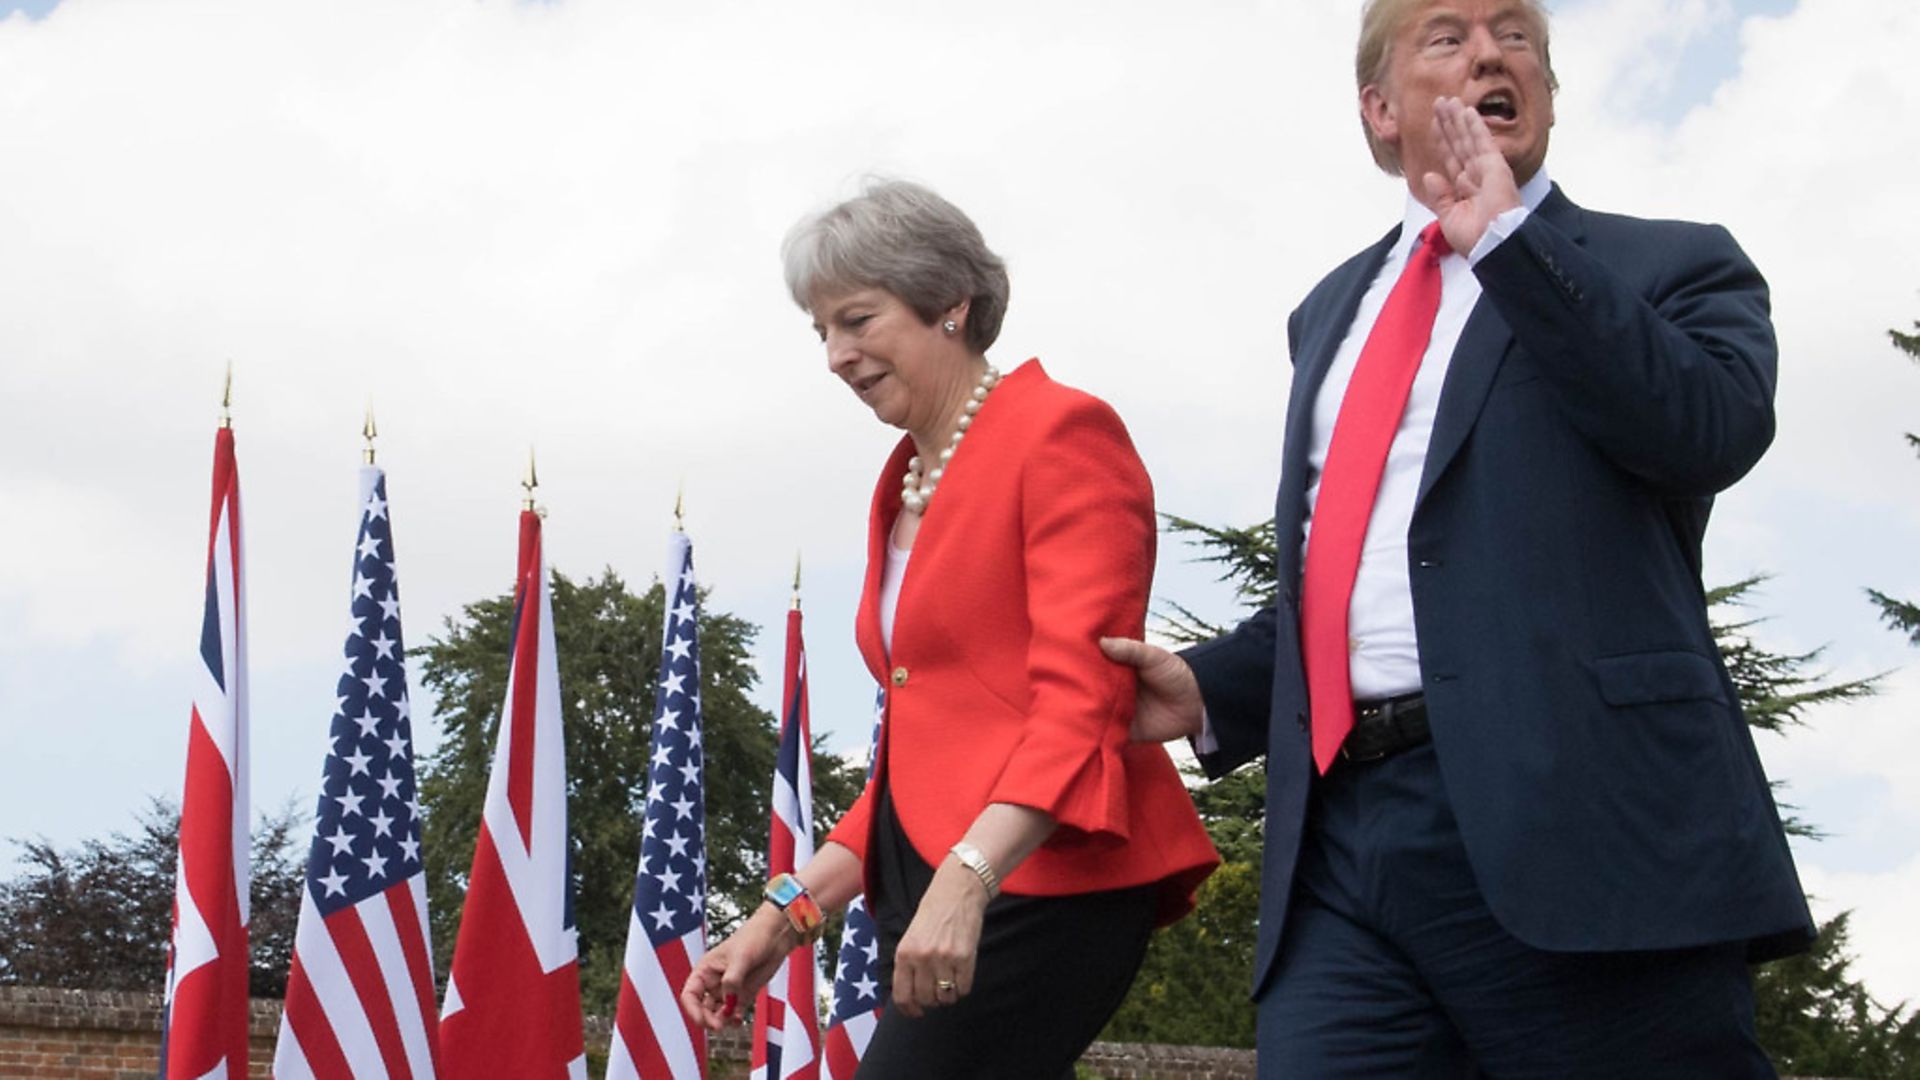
934 964
736 968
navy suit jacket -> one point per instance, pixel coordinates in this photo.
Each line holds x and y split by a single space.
1615 374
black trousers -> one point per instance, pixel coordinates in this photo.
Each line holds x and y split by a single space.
1051 970
1393 965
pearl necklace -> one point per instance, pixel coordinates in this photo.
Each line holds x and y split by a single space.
914 494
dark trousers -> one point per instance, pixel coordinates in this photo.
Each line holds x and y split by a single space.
1392 964
1050 972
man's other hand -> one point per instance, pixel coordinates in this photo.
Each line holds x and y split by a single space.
1168 705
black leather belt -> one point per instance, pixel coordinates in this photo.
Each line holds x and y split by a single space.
1384 728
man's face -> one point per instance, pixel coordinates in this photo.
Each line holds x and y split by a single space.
1487 53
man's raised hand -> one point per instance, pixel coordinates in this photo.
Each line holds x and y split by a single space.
1476 184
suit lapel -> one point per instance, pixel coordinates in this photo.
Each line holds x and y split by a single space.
1483 346
1313 356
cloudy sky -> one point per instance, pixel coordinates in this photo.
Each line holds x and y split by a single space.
557 225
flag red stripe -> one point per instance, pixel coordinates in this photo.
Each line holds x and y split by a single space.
526 679
842 1058
630 1020
635 1026
413 945
308 1020
362 966
207 1019
225 489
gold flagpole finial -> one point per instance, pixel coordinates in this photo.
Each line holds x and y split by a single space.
680 508
532 481
796 581
369 432
226 399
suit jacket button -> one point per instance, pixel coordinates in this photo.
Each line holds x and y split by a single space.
1301 719
899 676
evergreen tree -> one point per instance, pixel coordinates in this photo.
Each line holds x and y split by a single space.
608 643
1902 615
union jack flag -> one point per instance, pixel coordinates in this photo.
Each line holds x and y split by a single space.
513 998
360 994
857 1000
667 929
786 1016
205 1030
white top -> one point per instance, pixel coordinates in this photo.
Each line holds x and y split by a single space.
1385 652
890 577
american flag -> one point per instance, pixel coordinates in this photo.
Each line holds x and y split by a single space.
786 1016
205 1030
667 929
360 995
857 1000
513 998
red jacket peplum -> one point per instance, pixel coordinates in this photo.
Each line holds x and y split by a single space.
1040 542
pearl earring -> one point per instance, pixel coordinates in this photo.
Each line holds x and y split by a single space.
950 326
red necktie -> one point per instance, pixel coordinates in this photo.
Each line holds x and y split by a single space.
1356 456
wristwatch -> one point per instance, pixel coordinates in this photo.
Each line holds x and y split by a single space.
971 858
797 904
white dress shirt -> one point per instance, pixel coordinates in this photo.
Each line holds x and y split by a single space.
1384 649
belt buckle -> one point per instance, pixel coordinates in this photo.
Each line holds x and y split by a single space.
1378 710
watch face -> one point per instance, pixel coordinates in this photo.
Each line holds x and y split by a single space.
783 890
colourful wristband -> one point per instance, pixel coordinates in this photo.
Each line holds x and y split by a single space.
798 905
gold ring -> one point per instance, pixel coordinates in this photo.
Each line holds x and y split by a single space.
944 985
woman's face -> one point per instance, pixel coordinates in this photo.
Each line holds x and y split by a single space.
903 369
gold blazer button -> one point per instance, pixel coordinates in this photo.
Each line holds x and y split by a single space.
899 676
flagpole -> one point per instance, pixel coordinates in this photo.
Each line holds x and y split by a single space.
226 399
796 581
531 482
369 432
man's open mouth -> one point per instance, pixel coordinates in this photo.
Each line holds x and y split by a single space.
1497 106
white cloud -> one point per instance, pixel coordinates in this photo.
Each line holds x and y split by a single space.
558 224
1886 952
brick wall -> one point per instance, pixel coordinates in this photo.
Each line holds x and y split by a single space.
102 1035
98 1034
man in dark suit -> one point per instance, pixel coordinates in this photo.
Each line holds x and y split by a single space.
1515 821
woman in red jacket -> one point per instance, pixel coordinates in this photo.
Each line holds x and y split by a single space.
1015 847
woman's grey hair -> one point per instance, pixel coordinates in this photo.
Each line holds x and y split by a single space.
903 238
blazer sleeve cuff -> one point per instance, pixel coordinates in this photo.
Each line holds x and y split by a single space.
1053 772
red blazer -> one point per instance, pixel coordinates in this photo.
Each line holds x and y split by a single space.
1040 541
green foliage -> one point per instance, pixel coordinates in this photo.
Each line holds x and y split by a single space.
1775 689
99 917
1902 616
1816 1021
608 643
1248 561
1192 986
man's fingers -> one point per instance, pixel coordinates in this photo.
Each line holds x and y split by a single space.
1127 651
